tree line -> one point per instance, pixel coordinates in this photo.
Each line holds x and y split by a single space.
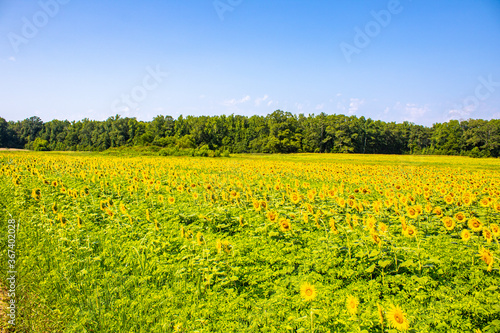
278 132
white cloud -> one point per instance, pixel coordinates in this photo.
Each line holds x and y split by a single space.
270 103
461 112
234 102
299 106
260 100
320 106
354 105
202 96
12 58
414 112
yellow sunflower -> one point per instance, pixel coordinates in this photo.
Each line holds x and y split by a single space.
438 211
495 230
475 224
465 235
272 216
487 235
449 223
308 291
460 217
449 199
352 304
285 224
410 231
487 257
36 194
397 318
295 198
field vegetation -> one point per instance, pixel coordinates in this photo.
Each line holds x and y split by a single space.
253 243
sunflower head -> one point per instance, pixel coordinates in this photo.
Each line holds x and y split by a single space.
352 304
449 223
465 235
285 225
486 256
308 291
475 224
495 230
397 318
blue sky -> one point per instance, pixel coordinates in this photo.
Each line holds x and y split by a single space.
421 61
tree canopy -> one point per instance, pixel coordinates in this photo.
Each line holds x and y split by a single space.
278 132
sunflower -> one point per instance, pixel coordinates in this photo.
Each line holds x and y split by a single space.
475 224
285 225
487 257
487 235
226 246
307 291
54 208
428 208
199 238
383 227
410 231
61 219
109 212
256 206
263 204
449 199
460 217
397 318
352 304
370 223
465 235
376 238
449 223
495 230
79 221
161 198
333 228
36 194
484 202
171 200
272 216
295 198
123 209
467 201
438 211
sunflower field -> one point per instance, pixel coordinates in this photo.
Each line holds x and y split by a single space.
253 243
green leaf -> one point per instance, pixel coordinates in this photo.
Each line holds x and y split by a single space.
370 269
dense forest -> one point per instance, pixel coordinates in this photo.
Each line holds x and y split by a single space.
278 132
